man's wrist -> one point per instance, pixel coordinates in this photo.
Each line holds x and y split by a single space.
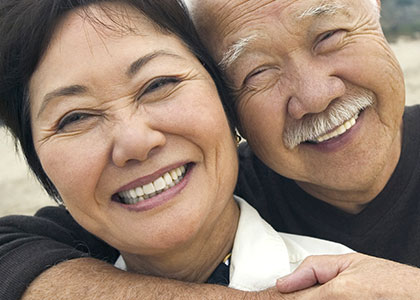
88 278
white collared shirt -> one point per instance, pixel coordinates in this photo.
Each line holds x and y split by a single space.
261 255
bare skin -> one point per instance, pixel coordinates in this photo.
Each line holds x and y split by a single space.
353 273
93 279
88 278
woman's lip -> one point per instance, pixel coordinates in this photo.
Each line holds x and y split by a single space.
149 178
161 198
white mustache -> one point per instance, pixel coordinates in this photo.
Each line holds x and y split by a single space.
339 111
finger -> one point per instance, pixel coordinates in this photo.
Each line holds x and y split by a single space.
298 280
314 270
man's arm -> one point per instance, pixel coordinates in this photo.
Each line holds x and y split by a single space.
88 278
352 276
31 245
49 256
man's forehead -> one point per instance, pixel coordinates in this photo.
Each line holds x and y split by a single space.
291 11
307 10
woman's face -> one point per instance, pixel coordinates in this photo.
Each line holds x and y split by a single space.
118 115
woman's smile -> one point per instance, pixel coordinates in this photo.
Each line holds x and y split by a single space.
145 196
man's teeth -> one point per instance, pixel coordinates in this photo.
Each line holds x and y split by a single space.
166 181
338 131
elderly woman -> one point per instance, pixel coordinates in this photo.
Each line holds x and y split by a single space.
118 110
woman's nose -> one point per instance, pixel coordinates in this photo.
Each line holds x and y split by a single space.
135 140
314 88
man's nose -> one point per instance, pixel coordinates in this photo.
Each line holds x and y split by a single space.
313 87
135 140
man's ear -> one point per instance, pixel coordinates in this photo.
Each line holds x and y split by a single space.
379 3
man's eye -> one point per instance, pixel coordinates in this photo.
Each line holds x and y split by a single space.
326 36
72 119
160 83
328 41
254 74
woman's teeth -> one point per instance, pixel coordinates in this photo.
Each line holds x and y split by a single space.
338 131
166 181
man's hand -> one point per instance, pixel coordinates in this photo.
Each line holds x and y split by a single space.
352 276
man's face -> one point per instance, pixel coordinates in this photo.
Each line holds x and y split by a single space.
320 95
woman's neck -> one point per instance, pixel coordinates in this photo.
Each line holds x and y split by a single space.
196 260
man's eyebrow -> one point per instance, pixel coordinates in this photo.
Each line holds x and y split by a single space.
72 90
235 51
320 10
238 48
135 67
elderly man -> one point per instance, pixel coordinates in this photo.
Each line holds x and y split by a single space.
320 99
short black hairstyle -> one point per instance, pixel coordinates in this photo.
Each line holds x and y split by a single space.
26 28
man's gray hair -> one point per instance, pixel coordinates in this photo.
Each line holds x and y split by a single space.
235 51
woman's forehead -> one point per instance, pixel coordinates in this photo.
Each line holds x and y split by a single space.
97 51
116 32
107 20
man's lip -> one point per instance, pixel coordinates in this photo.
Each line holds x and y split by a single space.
315 142
338 142
149 178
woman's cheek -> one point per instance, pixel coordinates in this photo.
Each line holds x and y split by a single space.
71 165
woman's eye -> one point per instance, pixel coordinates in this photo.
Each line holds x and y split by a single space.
72 119
160 83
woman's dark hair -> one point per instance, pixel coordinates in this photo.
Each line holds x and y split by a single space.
26 28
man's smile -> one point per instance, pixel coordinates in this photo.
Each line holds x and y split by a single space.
338 130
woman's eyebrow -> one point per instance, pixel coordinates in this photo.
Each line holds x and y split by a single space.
135 67
72 90
75 90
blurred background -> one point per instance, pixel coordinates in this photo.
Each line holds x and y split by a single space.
20 193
